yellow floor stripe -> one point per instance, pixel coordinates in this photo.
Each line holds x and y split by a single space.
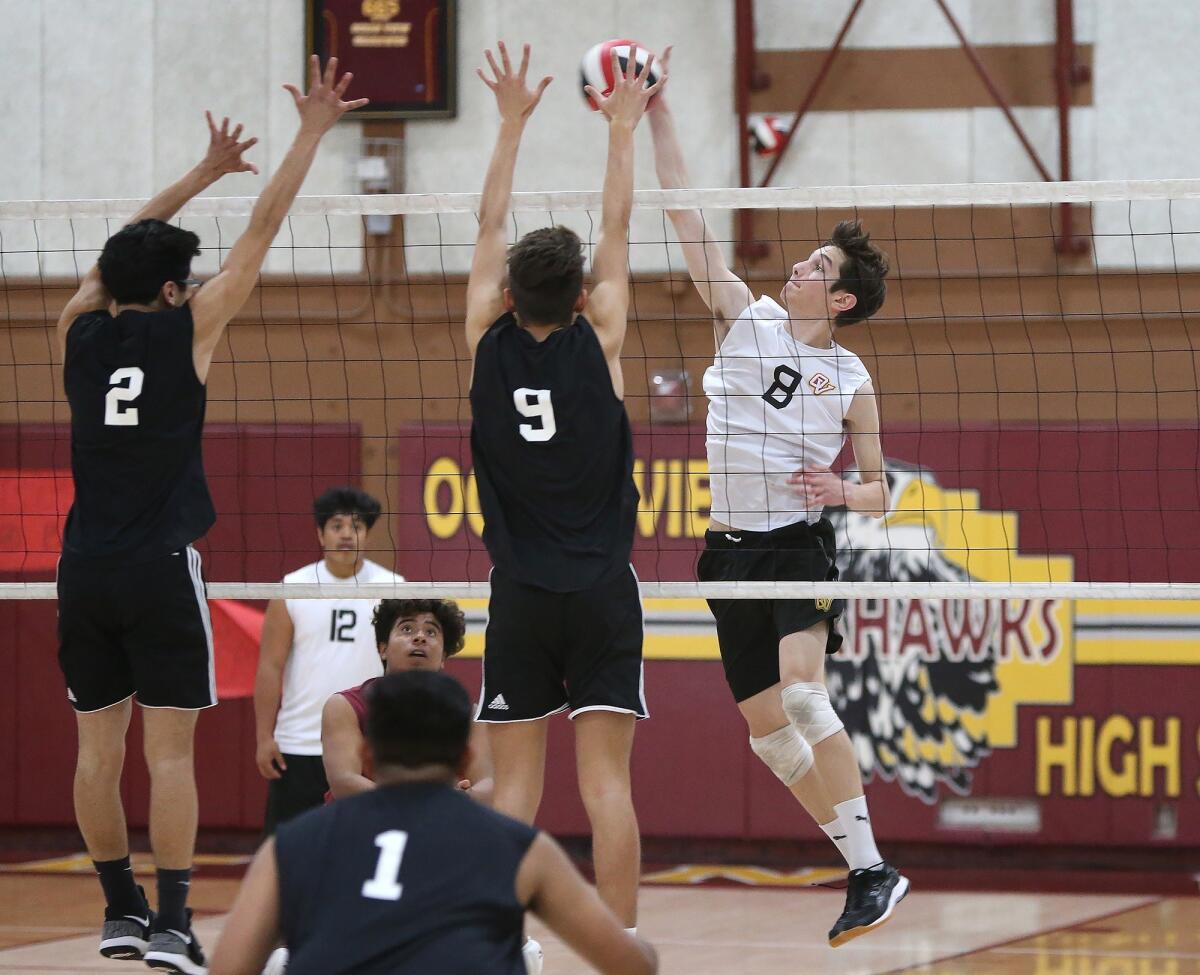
750 876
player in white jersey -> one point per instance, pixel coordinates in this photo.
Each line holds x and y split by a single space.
782 396
312 648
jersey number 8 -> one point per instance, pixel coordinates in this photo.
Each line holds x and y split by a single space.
535 404
114 415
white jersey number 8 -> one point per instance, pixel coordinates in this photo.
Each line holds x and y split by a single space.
114 415
535 404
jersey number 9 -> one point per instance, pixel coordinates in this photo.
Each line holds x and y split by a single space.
535 404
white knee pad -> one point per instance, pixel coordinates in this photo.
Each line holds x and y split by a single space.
785 753
808 708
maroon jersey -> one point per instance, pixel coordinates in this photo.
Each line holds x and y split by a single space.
357 699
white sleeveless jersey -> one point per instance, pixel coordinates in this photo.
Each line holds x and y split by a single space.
774 407
333 648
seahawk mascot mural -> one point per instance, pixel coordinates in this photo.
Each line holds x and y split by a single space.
906 683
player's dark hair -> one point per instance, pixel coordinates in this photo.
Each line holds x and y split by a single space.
450 618
346 501
139 259
861 273
545 276
418 717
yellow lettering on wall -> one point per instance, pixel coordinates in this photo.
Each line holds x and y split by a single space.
1087 756
444 522
1152 755
651 505
699 498
675 499
1117 779
474 514
1051 755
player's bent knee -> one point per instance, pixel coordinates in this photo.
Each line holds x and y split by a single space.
809 709
785 753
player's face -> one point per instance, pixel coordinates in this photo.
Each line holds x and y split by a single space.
343 538
806 294
416 643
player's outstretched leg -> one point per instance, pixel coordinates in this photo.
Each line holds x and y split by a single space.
875 887
603 743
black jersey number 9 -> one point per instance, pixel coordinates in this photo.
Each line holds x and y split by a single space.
116 413
535 404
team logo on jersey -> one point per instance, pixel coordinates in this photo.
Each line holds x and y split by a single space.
498 703
928 688
820 383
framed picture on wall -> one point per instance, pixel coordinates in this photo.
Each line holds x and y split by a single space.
402 53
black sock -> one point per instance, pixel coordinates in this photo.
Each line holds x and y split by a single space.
173 886
121 892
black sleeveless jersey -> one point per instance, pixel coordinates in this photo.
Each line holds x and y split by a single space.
553 456
416 878
137 412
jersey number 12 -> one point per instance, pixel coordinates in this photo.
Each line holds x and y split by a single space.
385 885
114 413
535 404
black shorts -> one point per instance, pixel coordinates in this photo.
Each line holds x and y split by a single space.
137 629
299 788
749 630
546 652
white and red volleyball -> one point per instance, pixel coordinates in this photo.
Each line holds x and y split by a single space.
767 133
596 69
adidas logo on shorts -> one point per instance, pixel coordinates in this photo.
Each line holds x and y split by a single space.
498 703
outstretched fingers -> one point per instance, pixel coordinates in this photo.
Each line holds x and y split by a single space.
344 84
504 58
330 72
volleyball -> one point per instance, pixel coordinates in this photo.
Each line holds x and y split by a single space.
596 68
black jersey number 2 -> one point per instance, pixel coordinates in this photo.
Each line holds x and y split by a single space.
535 404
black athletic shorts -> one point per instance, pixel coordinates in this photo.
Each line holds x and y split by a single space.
749 630
137 629
546 652
299 788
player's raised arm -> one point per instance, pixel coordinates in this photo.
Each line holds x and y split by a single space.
515 102
723 291
224 156
608 305
220 299
551 887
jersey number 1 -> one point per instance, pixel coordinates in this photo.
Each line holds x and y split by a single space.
535 404
114 415
385 885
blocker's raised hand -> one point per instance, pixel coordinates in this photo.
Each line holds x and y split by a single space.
630 93
513 96
224 151
323 105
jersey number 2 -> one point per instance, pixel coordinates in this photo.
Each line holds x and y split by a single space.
114 415
535 404
385 885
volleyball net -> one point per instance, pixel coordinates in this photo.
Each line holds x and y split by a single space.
1035 366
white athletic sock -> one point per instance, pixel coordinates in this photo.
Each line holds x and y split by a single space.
834 831
861 851
632 930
